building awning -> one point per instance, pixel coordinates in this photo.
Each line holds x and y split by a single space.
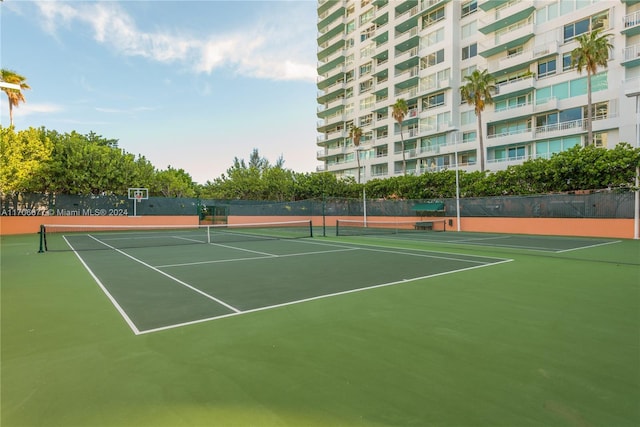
429 207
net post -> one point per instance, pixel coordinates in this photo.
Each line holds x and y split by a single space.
42 239
337 227
310 228
208 234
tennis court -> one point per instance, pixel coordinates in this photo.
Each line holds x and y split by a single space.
436 234
159 279
270 326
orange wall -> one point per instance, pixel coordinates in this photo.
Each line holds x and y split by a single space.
31 224
587 227
615 228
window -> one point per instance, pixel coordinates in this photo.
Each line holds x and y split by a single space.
432 59
467 71
365 69
470 51
575 29
367 16
433 101
367 102
566 62
432 17
517 101
469 7
367 33
366 86
515 51
598 111
467 117
469 30
600 139
366 120
351 26
598 21
468 136
516 153
546 68
547 119
433 37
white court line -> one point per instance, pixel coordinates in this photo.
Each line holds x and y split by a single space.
401 251
588 246
218 261
175 279
245 250
335 294
106 292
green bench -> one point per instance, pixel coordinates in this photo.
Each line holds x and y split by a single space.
423 225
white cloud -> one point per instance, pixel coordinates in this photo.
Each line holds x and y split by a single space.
28 108
261 50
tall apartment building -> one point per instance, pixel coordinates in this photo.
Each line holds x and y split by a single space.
373 52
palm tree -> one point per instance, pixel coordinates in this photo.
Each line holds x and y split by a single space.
593 51
355 133
477 92
399 111
15 96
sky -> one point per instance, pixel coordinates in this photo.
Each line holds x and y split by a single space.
187 84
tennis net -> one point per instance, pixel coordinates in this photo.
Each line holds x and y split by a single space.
57 237
350 227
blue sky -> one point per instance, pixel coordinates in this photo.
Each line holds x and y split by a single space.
191 84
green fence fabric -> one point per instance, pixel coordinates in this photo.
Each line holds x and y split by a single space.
606 204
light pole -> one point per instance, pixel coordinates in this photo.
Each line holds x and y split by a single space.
455 151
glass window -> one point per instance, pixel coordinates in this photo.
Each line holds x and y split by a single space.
432 17
546 68
469 7
599 82
561 90
469 136
469 30
566 62
543 95
578 87
470 51
555 146
570 115
600 139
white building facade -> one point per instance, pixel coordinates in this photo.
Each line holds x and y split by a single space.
373 52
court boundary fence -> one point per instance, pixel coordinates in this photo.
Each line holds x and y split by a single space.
604 204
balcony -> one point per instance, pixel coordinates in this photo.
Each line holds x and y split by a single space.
512 137
548 104
502 42
507 14
572 127
321 154
520 110
631 24
632 87
514 88
509 63
631 56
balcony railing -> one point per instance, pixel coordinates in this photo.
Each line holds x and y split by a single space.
632 20
631 52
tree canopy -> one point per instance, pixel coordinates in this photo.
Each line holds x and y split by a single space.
45 161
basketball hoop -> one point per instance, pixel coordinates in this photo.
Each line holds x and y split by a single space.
137 195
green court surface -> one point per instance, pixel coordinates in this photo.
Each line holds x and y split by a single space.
446 329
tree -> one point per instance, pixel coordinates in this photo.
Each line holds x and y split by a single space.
15 96
398 112
355 133
592 52
477 91
23 155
